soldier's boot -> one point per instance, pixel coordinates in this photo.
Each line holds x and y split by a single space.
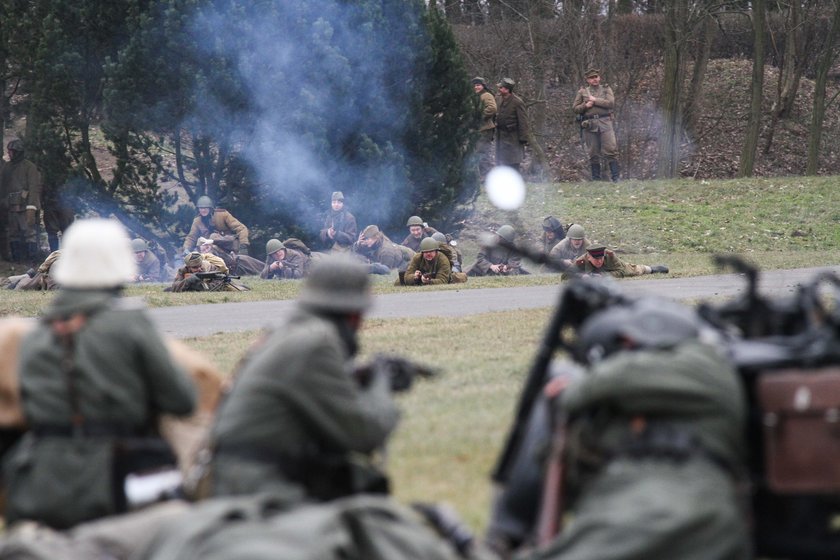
614 171
659 268
596 171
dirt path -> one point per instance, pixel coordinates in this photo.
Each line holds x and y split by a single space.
207 319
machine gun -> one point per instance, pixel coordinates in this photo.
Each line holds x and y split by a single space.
400 371
216 279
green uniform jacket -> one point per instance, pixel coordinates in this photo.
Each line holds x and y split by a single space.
344 224
511 130
495 255
652 506
413 243
124 378
295 398
384 252
603 107
295 265
488 111
439 269
613 266
221 222
20 186
148 270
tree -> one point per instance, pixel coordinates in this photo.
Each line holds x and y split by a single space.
759 24
826 58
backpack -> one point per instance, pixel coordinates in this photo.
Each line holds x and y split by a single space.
298 245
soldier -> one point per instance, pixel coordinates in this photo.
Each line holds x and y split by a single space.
237 263
572 248
450 249
487 130
94 373
295 415
374 247
339 231
283 262
418 230
654 452
20 189
511 126
148 265
186 279
595 103
217 224
429 266
599 260
58 215
36 279
553 234
498 261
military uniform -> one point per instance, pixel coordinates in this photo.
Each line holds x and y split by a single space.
511 130
496 255
294 409
413 243
295 265
218 225
57 213
439 269
20 191
122 376
654 447
613 266
385 252
185 281
148 270
41 280
597 126
565 251
487 130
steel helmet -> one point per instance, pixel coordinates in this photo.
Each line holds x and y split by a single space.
336 284
429 244
439 237
138 245
575 232
507 233
273 246
95 254
414 221
204 202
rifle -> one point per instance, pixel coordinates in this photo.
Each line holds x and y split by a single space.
400 371
216 275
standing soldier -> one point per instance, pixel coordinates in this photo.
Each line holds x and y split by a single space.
511 126
58 215
339 231
219 225
595 103
20 189
487 130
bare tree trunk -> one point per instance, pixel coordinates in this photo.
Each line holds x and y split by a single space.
826 59
670 134
759 21
694 100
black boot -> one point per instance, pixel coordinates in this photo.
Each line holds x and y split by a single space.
614 171
660 268
596 171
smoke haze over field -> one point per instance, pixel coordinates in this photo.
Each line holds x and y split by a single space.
318 96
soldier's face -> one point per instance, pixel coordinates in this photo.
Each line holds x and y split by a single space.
337 205
279 255
415 231
429 255
204 248
597 262
478 88
139 256
576 243
203 211
504 91
594 81
549 234
369 241
194 268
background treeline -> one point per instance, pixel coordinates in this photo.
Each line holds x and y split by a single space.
138 107
704 88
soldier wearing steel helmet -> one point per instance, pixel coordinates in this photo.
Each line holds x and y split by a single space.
595 103
283 262
418 230
487 129
148 265
654 453
512 126
572 247
295 415
495 260
94 370
217 224
429 266
20 196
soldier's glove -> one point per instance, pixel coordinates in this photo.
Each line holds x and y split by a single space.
31 216
243 249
